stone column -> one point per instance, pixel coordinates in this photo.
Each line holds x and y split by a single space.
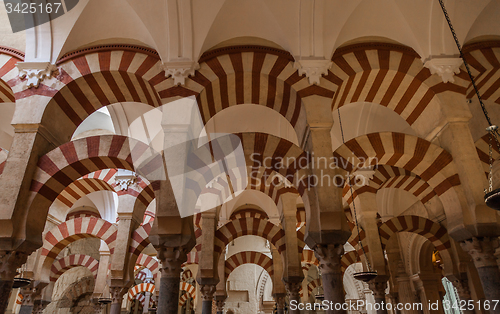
293 291
405 292
331 276
462 286
429 287
280 302
220 302
207 295
482 251
378 287
10 261
171 260
117 299
146 302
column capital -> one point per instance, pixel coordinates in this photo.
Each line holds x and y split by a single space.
207 292
29 294
378 287
220 301
329 256
117 293
293 288
35 72
280 300
482 250
172 259
10 261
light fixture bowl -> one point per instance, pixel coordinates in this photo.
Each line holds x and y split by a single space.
21 282
492 199
365 276
320 297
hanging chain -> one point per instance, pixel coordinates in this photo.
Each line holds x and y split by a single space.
457 42
492 129
353 203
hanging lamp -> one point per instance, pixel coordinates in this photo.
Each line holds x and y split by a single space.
492 197
20 281
364 276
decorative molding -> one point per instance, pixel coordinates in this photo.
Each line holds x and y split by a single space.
12 52
313 68
35 72
244 48
103 48
446 68
180 70
374 46
467 48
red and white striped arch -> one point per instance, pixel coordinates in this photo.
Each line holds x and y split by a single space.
391 177
430 162
142 299
62 166
311 286
390 75
248 257
429 229
308 257
142 287
484 61
348 259
193 257
150 263
140 239
250 213
249 75
100 76
80 188
106 175
190 292
263 153
72 230
249 226
9 73
186 275
74 260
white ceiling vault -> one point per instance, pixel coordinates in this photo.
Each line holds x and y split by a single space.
182 30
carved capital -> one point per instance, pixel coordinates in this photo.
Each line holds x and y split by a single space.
29 294
280 300
40 306
313 68
116 294
35 72
462 286
446 68
378 288
329 256
10 261
482 250
172 260
180 70
293 289
207 292
220 301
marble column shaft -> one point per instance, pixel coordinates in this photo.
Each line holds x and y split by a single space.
171 261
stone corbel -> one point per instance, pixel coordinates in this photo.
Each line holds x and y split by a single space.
446 68
180 70
313 68
35 72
